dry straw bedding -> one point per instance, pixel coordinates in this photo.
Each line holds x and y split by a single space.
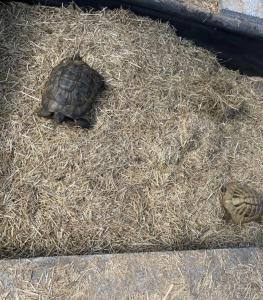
209 5
172 126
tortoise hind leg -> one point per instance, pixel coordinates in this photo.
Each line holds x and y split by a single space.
83 123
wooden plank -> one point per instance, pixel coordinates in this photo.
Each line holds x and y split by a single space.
199 274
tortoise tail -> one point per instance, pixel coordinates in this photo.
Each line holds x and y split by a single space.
77 56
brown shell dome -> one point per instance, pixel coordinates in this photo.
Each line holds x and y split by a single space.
70 91
241 203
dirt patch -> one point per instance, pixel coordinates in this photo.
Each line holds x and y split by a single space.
172 127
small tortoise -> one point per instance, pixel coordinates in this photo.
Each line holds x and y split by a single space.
70 91
241 203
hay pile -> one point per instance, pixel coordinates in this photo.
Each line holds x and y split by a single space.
209 5
171 128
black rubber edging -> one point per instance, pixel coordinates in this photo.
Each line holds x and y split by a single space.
237 43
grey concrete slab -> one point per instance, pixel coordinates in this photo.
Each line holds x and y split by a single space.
204 274
251 8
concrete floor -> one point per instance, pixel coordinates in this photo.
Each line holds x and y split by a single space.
205 274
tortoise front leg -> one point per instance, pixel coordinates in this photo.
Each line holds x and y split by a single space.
44 112
226 216
59 117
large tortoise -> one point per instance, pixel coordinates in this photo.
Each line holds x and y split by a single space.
241 203
70 91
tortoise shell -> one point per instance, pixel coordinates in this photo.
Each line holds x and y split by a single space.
70 91
241 203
